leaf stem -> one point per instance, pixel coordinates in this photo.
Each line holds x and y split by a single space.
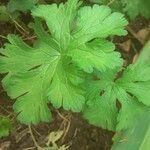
4 37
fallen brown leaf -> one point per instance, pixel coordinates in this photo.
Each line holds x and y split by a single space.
143 34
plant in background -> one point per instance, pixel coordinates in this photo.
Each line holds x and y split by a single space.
11 11
115 5
23 5
137 7
133 8
5 126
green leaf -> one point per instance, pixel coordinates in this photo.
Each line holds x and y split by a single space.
64 93
42 69
94 22
138 135
17 52
19 61
59 19
100 109
97 54
132 88
136 81
47 72
22 5
127 91
130 110
5 126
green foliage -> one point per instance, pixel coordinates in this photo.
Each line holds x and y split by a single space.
130 91
54 69
59 69
5 126
137 7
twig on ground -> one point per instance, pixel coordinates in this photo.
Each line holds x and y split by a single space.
8 112
30 148
66 131
3 37
19 27
37 132
61 116
34 140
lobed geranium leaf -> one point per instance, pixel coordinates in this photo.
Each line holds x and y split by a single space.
94 22
136 81
101 111
59 20
52 70
98 54
128 91
30 73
